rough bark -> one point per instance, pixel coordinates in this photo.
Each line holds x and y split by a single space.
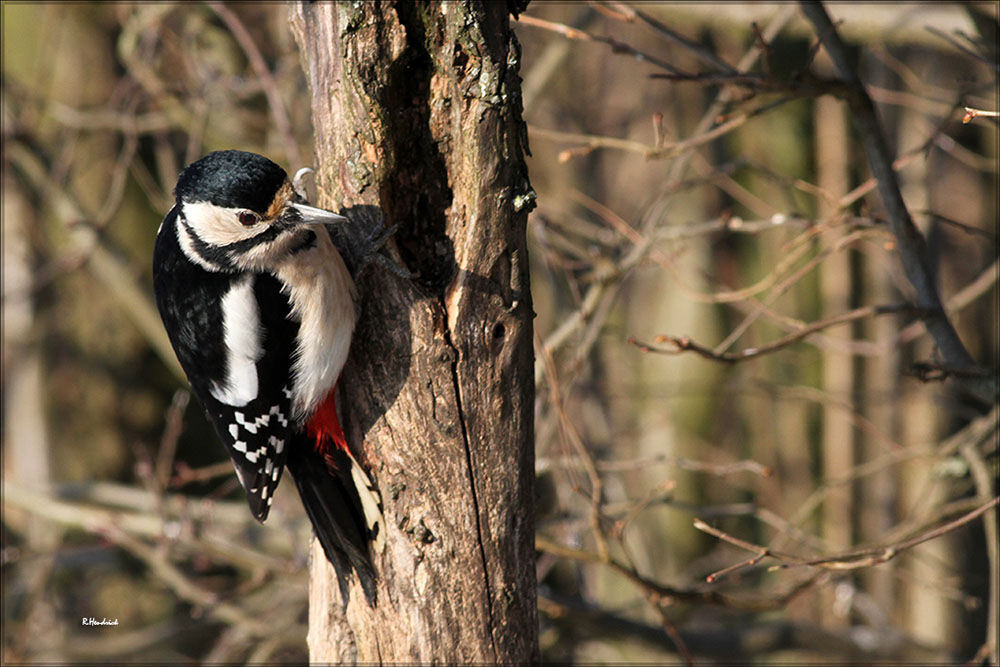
417 117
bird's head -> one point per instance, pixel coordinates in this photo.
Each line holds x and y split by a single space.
237 211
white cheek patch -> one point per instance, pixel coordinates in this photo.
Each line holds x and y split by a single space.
242 339
219 226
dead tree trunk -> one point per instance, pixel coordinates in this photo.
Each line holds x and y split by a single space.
417 112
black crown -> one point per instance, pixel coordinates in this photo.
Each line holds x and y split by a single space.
232 179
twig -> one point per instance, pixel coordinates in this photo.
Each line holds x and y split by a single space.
108 119
684 344
670 628
669 594
661 493
570 433
649 151
184 474
183 586
973 433
570 325
910 243
930 371
968 229
627 13
983 283
848 560
971 113
270 87
636 254
106 266
791 279
576 34
962 48
171 434
657 129
985 481
865 557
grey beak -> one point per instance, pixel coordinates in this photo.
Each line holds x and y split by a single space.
303 214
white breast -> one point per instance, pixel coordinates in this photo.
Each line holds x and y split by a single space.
321 293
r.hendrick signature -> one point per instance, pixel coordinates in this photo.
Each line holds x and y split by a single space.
103 621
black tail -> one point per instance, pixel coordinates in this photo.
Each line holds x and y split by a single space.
335 509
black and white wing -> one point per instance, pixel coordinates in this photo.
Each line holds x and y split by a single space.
235 352
251 407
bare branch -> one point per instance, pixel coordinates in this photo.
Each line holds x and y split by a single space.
106 266
911 245
663 594
631 13
848 560
971 113
270 86
576 34
684 344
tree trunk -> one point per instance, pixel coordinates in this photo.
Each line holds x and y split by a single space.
417 112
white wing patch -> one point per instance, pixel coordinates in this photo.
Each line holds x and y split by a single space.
241 324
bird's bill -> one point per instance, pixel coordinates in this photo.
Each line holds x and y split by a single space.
303 214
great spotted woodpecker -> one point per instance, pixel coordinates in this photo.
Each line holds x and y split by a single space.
259 307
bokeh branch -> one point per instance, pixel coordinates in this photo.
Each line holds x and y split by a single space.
912 247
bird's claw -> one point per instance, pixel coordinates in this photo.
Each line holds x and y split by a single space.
370 252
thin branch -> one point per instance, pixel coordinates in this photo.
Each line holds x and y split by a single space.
684 344
931 371
866 557
848 560
657 150
961 47
184 474
968 229
581 35
983 283
629 14
911 245
171 434
570 433
985 480
792 279
666 594
109 119
183 586
971 113
640 250
208 528
105 265
269 85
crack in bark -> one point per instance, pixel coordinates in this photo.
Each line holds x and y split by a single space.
460 405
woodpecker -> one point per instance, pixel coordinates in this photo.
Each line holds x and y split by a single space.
259 307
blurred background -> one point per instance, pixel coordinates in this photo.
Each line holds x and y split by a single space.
722 334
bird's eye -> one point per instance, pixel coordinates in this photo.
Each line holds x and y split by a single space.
248 218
